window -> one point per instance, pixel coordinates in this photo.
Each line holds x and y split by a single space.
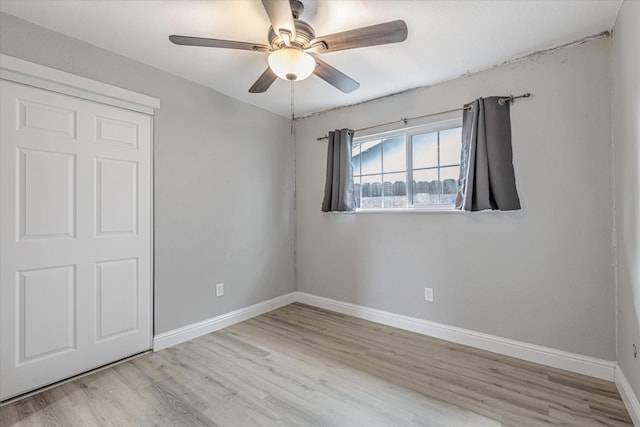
428 157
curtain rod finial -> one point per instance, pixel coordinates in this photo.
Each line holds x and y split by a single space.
506 99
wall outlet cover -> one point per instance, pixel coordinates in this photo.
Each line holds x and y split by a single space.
428 294
219 289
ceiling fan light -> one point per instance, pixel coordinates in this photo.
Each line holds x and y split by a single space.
290 63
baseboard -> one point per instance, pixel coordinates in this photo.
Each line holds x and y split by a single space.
628 396
567 361
195 330
572 362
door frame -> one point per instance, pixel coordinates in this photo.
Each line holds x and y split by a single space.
28 73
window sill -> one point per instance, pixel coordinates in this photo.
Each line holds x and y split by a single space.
407 210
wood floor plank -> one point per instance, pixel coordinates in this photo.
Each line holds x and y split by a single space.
575 399
364 389
305 366
428 384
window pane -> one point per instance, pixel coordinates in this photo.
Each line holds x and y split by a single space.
449 177
425 150
394 154
371 192
355 159
356 190
450 146
395 190
426 188
371 157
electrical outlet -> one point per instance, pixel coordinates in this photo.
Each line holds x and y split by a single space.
428 294
635 351
219 289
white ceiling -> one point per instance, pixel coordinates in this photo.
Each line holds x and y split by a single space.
446 39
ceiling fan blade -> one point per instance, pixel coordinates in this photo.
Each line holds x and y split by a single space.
227 44
387 32
279 12
334 77
264 81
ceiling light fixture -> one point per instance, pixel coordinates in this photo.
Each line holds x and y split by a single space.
290 63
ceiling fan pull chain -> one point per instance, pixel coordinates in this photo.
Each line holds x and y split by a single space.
292 110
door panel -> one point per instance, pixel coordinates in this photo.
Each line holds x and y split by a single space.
116 197
117 132
47 118
46 192
75 236
46 312
117 315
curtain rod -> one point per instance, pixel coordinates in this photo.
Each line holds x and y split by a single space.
405 120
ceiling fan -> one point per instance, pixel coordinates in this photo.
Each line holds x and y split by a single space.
293 46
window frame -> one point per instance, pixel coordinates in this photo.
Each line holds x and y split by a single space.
408 134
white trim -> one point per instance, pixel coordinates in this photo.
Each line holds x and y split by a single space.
572 362
189 332
412 210
429 123
152 233
628 396
28 73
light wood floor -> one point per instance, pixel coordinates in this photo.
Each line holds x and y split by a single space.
303 366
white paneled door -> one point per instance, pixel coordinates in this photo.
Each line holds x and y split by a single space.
75 243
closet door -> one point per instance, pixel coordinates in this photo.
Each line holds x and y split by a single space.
75 236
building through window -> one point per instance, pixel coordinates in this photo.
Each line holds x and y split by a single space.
416 168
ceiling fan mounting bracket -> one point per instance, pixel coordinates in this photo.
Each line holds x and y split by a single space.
296 8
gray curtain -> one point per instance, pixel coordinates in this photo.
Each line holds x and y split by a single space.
487 180
338 190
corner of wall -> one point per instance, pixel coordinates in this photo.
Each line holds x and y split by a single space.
629 398
614 234
625 147
295 205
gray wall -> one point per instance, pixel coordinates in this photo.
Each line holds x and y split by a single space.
542 275
626 141
223 181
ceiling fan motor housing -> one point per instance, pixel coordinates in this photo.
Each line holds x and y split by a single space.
304 35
